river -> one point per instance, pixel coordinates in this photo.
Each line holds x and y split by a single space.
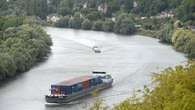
129 59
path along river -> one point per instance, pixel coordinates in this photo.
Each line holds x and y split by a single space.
129 59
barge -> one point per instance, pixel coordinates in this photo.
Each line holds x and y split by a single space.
96 49
67 91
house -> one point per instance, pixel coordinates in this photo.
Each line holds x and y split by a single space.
103 8
85 5
113 19
53 18
134 4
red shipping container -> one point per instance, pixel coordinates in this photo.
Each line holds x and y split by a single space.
86 84
58 89
75 80
53 92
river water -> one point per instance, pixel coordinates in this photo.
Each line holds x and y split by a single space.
129 59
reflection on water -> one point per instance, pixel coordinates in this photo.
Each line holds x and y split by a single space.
129 59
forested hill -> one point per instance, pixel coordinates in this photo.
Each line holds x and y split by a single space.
183 9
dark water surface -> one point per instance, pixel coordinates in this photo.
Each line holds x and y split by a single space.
129 59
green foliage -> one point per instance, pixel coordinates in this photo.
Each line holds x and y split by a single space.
184 41
76 21
3 5
152 24
21 47
32 20
53 6
63 22
94 15
86 24
175 90
64 11
108 25
36 7
150 33
124 25
151 7
166 33
10 22
186 11
7 66
97 25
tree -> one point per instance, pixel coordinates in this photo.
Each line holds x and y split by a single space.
86 24
191 45
127 26
186 11
124 24
65 7
12 22
37 7
7 66
166 33
63 22
97 25
76 21
3 5
94 15
108 25
64 11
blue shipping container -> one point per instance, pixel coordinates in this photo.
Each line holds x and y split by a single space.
77 87
92 82
66 89
53 87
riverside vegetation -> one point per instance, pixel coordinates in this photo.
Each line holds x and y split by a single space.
21 46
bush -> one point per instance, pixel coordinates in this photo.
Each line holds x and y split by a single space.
76 21
124 25
63 22
108 25
184 41
97 25
166 33
86 24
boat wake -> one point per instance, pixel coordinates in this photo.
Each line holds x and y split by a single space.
62 104
85 42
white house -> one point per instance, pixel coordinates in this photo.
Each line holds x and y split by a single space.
53 18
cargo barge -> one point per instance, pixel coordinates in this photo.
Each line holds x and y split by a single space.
67 91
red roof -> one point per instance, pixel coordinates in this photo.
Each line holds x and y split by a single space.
75 80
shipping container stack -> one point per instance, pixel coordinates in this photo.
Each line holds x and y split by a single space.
75 85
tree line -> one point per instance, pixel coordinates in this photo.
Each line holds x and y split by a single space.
21 46
124 23
183 9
